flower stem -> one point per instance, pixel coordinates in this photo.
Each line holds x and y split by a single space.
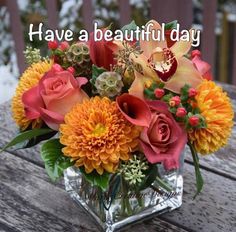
125 198
163 184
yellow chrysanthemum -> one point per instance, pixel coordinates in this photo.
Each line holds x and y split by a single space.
215 106
97 136
29 79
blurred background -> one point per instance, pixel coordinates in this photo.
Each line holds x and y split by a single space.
215 18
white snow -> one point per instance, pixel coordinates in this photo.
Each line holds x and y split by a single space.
8 84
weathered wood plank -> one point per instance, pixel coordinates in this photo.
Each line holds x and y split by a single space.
125 12
17 33
52 10
234 56
172 10
222 161
88 17
47 207
224 49
214 210
208 46
154 225
30 202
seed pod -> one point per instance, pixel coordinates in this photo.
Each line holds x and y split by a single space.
109 84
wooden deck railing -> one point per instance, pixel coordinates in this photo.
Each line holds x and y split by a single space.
163 11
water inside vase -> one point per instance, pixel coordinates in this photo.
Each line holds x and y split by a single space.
112 212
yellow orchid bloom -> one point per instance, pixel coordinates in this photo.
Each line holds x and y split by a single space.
166 64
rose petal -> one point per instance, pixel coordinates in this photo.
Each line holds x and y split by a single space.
151 156
49 95
64 104
32 102
174 152
52 119
171 158
81 81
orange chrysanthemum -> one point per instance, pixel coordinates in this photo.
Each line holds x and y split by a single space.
215 106
29 79
97 136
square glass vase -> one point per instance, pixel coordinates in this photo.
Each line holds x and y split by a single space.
113 211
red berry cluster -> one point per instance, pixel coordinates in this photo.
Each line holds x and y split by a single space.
182 106
63 46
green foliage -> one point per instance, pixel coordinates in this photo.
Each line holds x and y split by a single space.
149 92
172 110
150 176
201 124
171 25
184 93
129 27
199 179
96 71
96 179
28 138
54 160
166 98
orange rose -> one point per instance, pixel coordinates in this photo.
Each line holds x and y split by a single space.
53 97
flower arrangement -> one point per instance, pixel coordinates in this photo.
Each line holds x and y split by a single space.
117 109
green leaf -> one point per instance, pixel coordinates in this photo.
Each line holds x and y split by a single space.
149 94
96 71
172 110
185 89
171 25
161 85
199 179
166 98
184 93
96 179
150 176
58 52
115 186
129 27
35 140
54 160
27 135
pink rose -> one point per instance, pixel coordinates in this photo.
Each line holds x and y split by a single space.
162 138
54 96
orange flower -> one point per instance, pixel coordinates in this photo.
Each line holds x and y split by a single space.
97 136
217 110
168 64
29 79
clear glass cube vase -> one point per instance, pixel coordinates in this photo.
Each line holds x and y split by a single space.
113 210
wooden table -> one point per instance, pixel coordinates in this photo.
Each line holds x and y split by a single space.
30 202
